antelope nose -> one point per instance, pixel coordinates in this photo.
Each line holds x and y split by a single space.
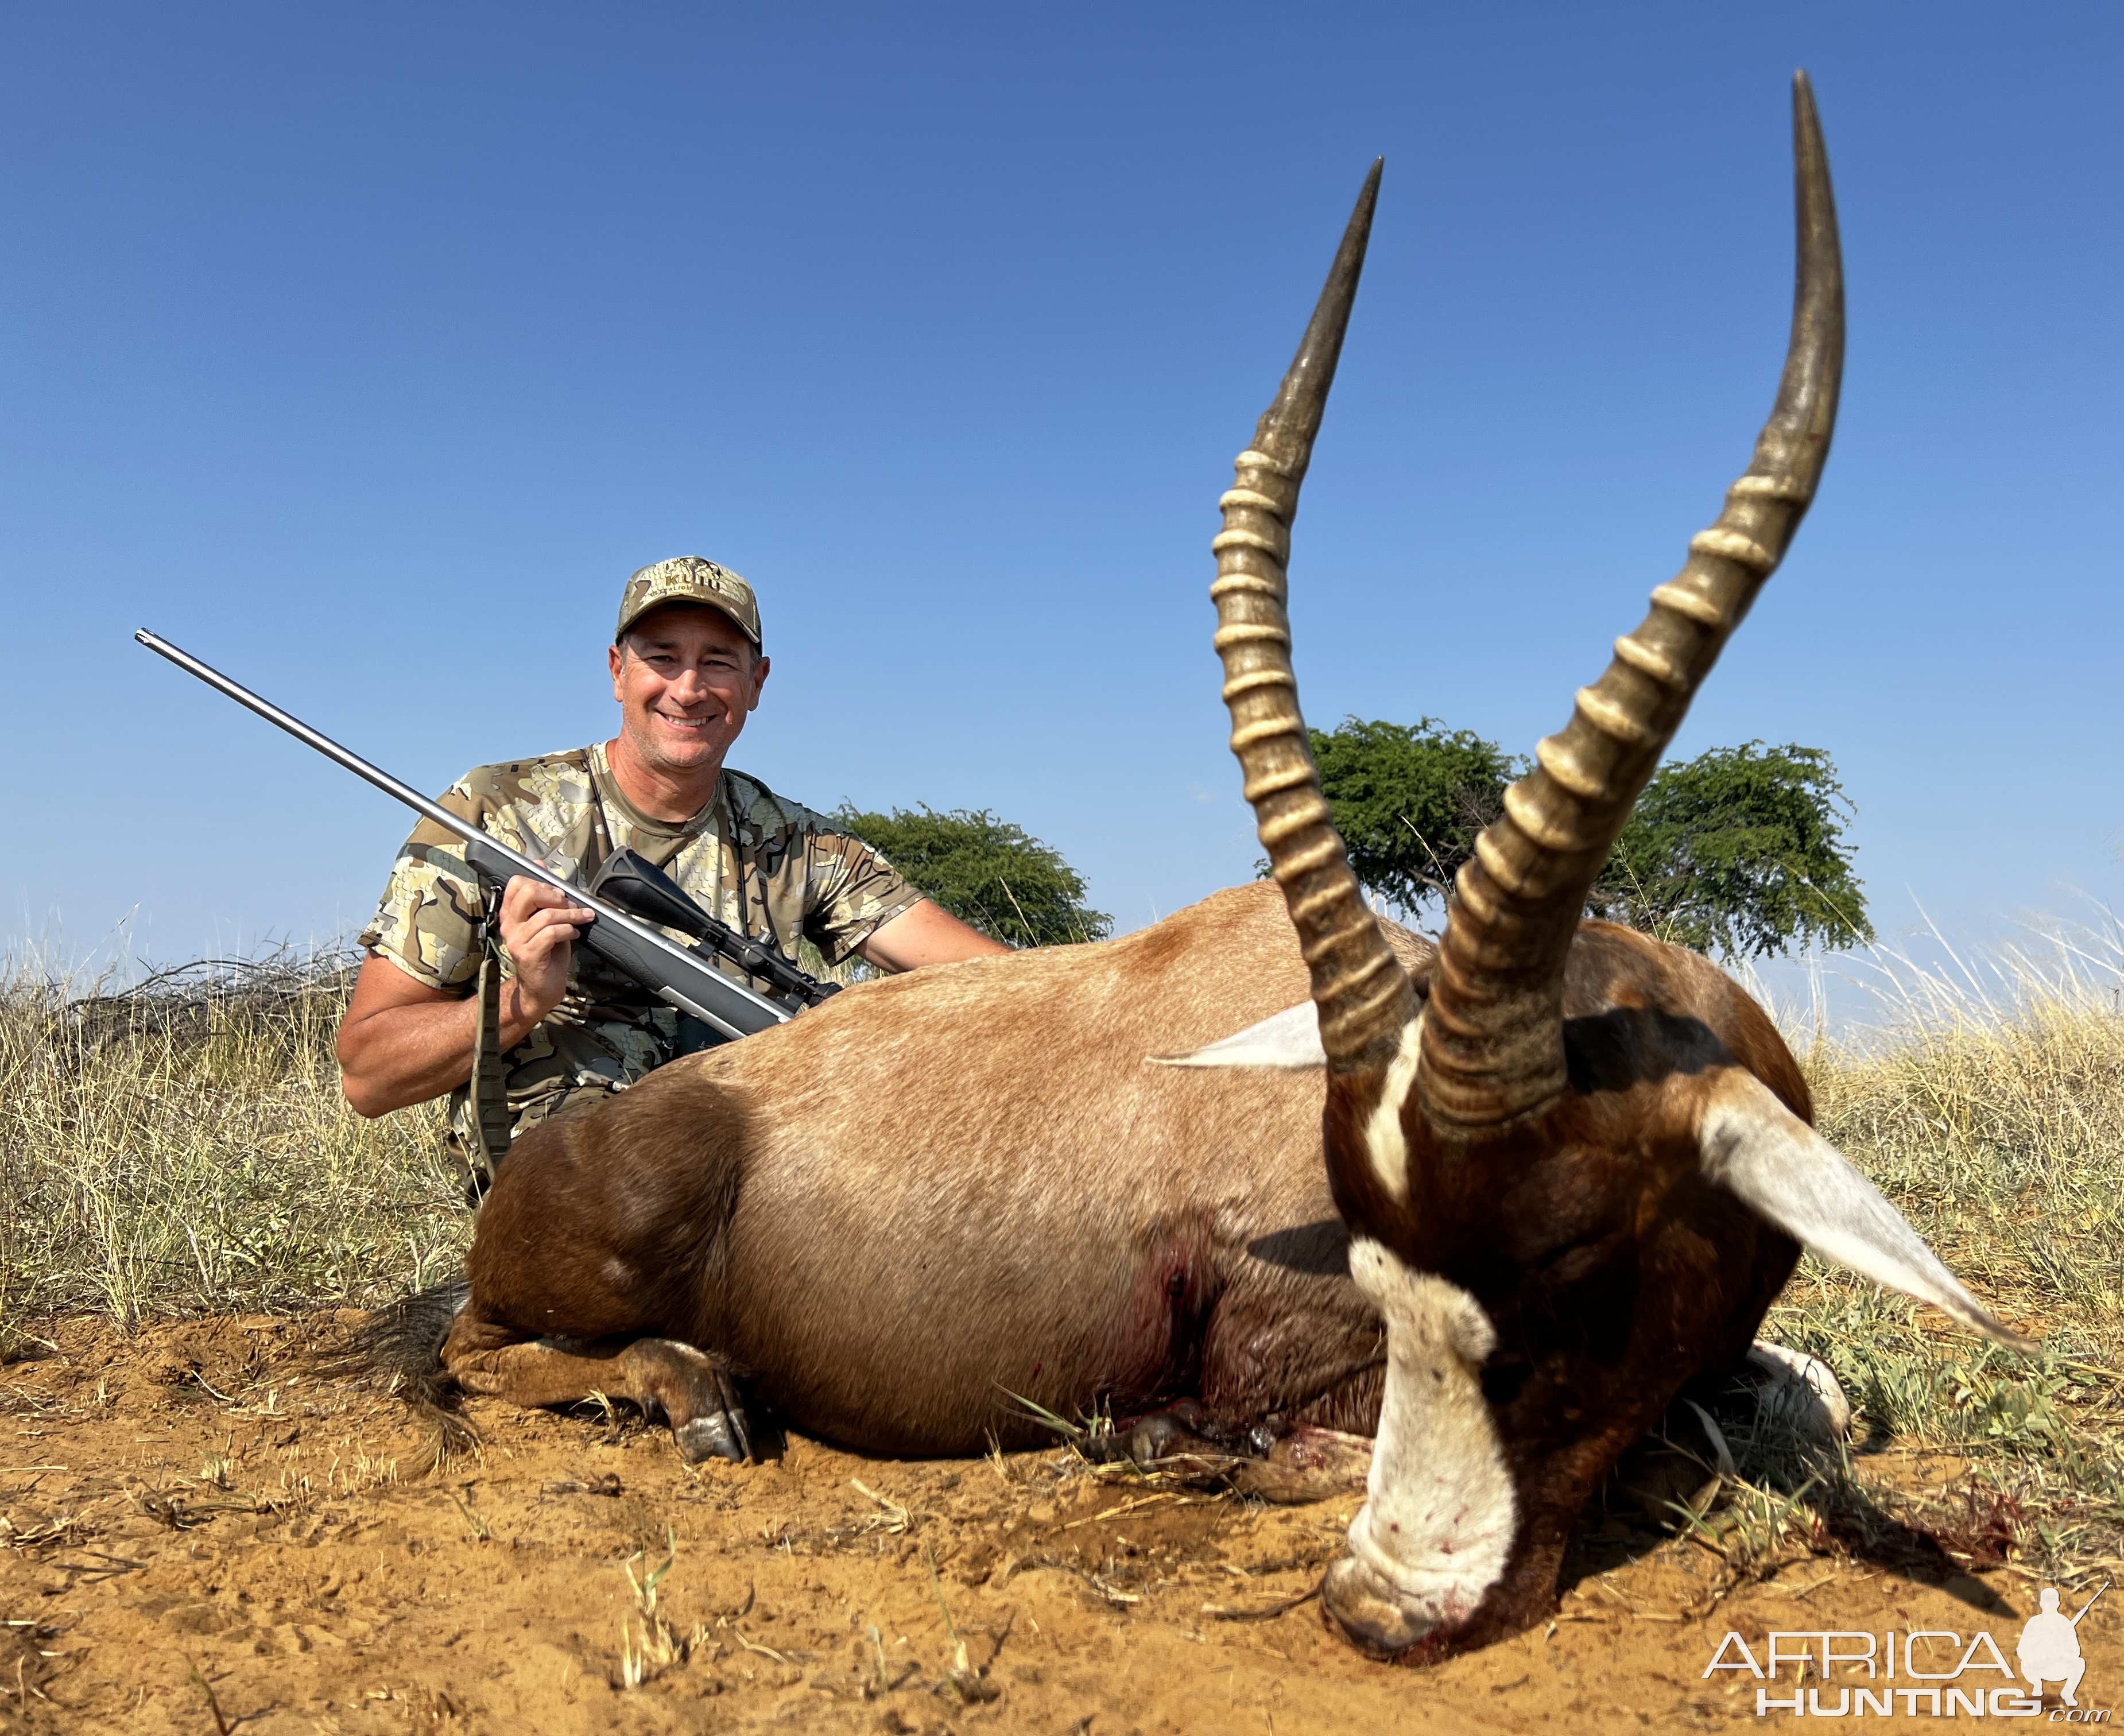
1363 1606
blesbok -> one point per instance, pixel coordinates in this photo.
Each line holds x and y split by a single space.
1574 1163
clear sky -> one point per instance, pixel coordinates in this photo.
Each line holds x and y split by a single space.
364 351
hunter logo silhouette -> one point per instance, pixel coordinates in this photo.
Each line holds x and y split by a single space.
2049 1650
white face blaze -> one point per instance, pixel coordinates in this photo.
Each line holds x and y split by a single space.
1437 1529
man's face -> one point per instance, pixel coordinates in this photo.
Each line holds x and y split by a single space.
685 678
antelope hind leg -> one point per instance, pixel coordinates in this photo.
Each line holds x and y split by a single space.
695 1391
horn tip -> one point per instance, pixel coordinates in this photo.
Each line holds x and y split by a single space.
1805 118
1368 195
2026 1344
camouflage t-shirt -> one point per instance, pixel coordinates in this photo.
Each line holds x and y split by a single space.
775 870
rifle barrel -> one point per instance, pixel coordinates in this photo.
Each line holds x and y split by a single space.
351 761
464 829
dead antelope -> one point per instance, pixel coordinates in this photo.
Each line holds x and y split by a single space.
1574 1164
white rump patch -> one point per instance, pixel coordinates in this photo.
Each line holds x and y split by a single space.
1437 1528
1796 1179
1288 1042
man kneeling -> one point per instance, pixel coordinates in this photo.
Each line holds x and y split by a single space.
687 668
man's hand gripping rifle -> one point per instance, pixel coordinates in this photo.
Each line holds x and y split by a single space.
631 900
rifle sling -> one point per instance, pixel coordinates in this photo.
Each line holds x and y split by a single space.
490 1115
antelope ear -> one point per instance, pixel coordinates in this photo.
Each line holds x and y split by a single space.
1288 1042
1796 1180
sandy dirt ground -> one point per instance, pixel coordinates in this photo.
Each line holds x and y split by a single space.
198 1535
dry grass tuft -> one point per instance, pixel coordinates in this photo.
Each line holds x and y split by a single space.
182 1147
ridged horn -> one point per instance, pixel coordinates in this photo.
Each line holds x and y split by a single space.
1493 1042
1362 993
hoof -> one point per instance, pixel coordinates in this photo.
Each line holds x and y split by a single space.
1153 1439
1182 1438
719 1435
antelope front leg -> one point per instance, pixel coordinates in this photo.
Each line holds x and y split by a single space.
695 1391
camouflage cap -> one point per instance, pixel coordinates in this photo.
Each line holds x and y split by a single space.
686 578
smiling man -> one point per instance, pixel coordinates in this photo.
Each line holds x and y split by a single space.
687 668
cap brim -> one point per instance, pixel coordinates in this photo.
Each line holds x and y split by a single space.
721 606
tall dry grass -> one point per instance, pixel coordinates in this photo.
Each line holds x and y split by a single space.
1987 1101
184 1147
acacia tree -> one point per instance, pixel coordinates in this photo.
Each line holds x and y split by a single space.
992 875
1409 800
1740 850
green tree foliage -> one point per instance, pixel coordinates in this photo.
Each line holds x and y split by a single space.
986 871
1409 800
1740 850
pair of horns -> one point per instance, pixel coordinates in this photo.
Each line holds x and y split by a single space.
1492 1038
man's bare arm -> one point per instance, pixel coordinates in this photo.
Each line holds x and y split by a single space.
403 1042
925 934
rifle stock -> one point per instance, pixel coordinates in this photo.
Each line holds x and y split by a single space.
675 975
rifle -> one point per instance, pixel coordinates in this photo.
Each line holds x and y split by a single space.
630 898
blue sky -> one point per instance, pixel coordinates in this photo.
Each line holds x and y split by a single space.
364 351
